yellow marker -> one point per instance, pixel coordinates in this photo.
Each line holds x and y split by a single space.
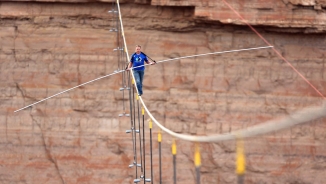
241 161
142 111
174 148
133 82
159 136
137 97
197 156
150 124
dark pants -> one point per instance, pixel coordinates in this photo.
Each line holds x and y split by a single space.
139 76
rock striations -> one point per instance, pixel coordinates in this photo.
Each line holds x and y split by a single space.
47 46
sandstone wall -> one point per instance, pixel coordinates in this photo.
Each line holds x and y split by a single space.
77 137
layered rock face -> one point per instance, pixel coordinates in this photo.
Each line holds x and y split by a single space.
303 15
78 137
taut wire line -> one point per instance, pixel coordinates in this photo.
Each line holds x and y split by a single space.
212 53
277 52
305 115
220 52
116 72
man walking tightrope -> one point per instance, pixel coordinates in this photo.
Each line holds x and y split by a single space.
137 61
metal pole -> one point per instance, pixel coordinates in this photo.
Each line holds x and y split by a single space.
150 133
174 153
140 147
240 179
143 113
198 175
134 132
174 170
159 138
131 123
240 161
197 161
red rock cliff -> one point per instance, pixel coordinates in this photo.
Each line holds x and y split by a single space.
78 137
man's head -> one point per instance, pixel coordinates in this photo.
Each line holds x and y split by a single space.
138 48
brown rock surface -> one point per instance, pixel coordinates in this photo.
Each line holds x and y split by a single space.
77 137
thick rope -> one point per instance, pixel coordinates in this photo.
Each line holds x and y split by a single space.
300 117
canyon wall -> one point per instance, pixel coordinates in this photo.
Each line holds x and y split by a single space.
78 137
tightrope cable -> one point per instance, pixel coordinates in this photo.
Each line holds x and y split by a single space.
305 115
